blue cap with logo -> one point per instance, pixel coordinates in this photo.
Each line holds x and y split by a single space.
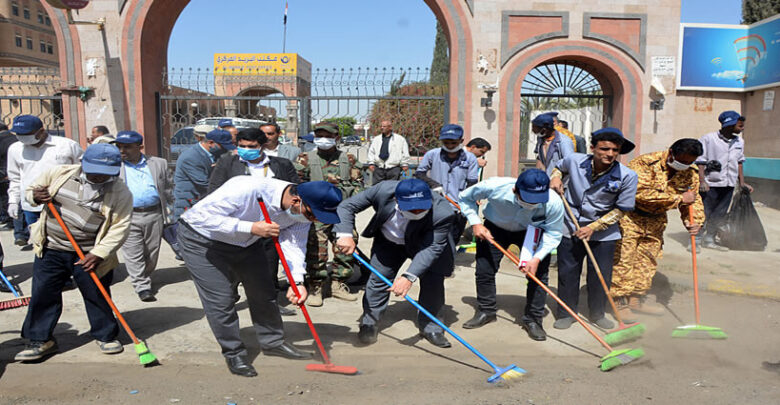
551 113
308 137
627 145
451 131
101 158
413 194
129 137
226 122
533 186
323 198
26 125
221 137
729 118
543 120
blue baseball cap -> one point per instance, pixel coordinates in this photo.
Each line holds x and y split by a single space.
227 122
101 158
533 186
221 137
129 137
308 137
323 198
729 118
627 145
543 120
551 113
26 125
413 194
451 131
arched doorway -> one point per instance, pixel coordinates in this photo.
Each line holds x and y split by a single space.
570 89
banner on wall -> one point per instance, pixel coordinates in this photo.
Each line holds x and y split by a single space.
729 57
255 64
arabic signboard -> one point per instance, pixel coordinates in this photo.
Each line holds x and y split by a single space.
255 64
663 66
730 57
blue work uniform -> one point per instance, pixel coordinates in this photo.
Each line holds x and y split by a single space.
559 148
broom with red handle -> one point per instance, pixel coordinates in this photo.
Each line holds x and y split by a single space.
328 367
18 301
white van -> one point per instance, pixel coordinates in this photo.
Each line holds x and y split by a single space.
237 122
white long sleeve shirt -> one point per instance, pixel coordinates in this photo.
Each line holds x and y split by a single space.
398 149
227 215
26 163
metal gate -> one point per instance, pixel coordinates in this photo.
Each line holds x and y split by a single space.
569 89
25 90
357 99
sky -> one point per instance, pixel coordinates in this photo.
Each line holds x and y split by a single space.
341 33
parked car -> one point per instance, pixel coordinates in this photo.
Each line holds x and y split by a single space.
351 140
238 122
182 139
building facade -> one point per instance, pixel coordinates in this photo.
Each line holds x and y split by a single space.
27 37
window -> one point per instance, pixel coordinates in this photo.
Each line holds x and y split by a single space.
40 17
29 43
18 40
26 13
43 47
49 49
48 20
15 9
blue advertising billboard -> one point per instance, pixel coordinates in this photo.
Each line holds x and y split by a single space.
729 57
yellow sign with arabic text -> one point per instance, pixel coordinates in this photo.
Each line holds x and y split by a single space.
255 64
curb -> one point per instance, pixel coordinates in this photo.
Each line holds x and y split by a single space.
726 286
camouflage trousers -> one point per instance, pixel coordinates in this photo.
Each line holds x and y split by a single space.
317 255
637 254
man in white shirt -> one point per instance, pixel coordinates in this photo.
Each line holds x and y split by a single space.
220 241
388 154
35 153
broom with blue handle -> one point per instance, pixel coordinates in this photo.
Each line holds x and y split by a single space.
500 373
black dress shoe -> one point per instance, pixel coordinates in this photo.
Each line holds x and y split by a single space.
287 351
367 334
480 319
284 311
146 296
535 330
239 366
437 339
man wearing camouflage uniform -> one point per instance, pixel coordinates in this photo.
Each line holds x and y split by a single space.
667 180
328 163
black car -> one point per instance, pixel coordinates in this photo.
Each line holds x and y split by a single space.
351 140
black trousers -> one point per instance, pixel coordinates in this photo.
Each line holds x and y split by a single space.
381 174
571 253
488 261
716 204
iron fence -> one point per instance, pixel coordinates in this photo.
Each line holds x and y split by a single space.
34 91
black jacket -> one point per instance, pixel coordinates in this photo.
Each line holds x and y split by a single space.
6 139
229 166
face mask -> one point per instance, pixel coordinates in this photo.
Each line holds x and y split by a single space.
249 154
453 150
678 166
325 143
412 216
27 139
295 216
88 181
525 205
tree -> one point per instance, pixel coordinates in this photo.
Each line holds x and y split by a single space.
757 10
346 125
440 65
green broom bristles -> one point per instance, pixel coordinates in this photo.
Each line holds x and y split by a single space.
625 335
699 332
620 357
144 355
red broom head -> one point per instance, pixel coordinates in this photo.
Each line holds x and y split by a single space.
332 368
14 303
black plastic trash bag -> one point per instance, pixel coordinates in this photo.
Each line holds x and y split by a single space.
742 229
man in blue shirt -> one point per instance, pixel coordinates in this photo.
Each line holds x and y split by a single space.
600 190
450 169
513 205
149 181
551 145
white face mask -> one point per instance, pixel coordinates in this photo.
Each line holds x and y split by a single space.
325 143
412 216
296 216
525 205
27 139
678 166
453 150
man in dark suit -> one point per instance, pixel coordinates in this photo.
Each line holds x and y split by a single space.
251 160
409 223
149 181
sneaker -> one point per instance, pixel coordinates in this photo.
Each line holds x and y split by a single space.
36 350
112 347
698 248
715 246
563 323
604 323
20 242
341 291
315 293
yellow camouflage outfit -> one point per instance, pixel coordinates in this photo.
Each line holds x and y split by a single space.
642 230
